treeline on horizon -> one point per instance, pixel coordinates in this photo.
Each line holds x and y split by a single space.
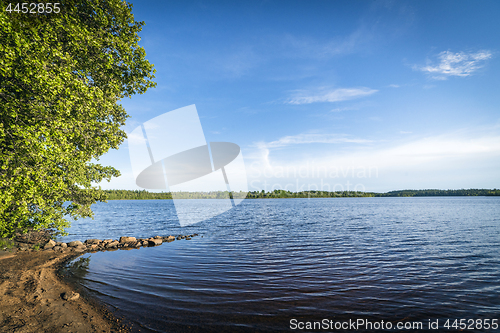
143 194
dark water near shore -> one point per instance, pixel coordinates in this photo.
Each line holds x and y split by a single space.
268 261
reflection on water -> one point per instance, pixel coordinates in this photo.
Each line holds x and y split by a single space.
268 261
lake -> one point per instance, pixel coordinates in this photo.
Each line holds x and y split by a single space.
275 264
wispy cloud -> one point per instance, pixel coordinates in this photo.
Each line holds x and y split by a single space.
306 138
306 46
344 109
443 161
456 64
336 95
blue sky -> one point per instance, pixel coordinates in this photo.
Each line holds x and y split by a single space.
332 95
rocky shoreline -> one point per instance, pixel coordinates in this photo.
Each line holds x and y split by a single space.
33 298
124 242
42 240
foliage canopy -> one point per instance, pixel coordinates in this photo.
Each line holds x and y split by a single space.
61 79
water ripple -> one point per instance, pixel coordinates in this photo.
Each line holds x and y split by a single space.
268 261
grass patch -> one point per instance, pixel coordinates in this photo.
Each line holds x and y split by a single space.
6 244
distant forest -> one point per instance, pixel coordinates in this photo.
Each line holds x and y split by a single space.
143 194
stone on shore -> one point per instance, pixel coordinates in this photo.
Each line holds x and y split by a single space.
70 296
80 248
50 244
170 238
127 239
75 244
92 241
155 241
113 244
63 245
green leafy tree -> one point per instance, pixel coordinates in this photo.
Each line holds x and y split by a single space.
62 76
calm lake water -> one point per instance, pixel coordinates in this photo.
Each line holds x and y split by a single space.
267 262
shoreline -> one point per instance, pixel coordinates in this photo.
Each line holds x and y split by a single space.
35 297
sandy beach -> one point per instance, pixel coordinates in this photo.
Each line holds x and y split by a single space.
33 298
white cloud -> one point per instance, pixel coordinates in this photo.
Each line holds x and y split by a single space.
306 46
307 138
337 95
456 64
344 109
457 160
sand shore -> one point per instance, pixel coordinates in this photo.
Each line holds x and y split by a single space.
32 297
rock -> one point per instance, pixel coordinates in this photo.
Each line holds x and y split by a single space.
50 244
188 238
70 296
58 249
170 238
155 241
107 241
92 241
138 244
112 244
127 239
158 237
93 247
63 245
81 248
75 244
179 238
